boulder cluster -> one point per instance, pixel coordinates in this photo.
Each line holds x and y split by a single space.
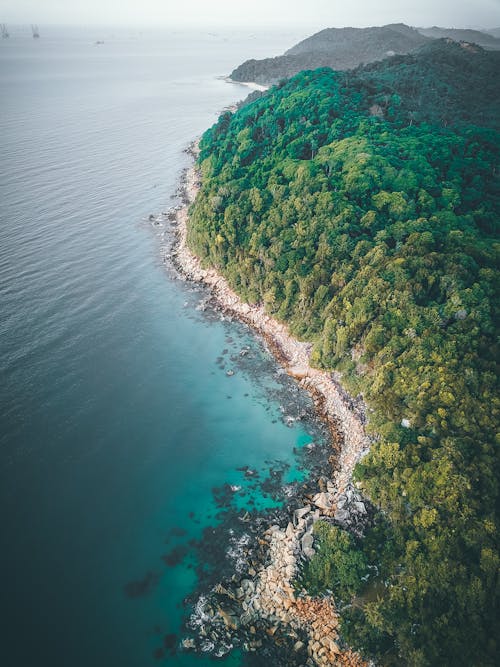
268 604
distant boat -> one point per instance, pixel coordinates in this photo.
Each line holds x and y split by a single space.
34 30
4 31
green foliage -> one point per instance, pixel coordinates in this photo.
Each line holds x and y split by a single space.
374 238
337 565
367 636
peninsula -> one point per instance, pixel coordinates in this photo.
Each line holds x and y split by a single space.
350 218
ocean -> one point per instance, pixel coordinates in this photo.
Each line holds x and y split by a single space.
121 429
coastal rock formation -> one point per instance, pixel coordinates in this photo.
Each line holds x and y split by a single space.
269 596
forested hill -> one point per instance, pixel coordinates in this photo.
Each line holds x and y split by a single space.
353 43
487 41
444 82
346 48
362 209
338 48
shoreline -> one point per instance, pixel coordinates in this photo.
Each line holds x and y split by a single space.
269 595
344 417
248 84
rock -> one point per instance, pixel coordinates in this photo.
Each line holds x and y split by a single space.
322 483
298 646
330 487
307 541
360 507
341 515
188 643
301 513
289 531
221 590
230 621
308 552
323 500
248 585
334 648
316 516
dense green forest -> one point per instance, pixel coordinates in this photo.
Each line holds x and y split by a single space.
361 208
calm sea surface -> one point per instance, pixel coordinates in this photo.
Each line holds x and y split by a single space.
117 422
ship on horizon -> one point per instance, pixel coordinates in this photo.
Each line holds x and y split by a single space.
4 31
35 31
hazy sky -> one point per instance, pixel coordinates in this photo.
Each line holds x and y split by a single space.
249 13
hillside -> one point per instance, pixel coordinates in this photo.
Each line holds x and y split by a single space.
487 41
372 43
347 48
338 48
362 209
444 82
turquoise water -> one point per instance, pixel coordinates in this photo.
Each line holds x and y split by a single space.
117 419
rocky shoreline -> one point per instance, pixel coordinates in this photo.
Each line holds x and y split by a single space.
263 601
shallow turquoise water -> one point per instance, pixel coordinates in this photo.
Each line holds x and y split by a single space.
117 422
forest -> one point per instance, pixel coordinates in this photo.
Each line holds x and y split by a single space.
361 208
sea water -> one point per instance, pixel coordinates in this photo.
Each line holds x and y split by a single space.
118 416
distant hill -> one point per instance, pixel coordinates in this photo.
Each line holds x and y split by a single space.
373 43
495 32
347 48
338 48
487 41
